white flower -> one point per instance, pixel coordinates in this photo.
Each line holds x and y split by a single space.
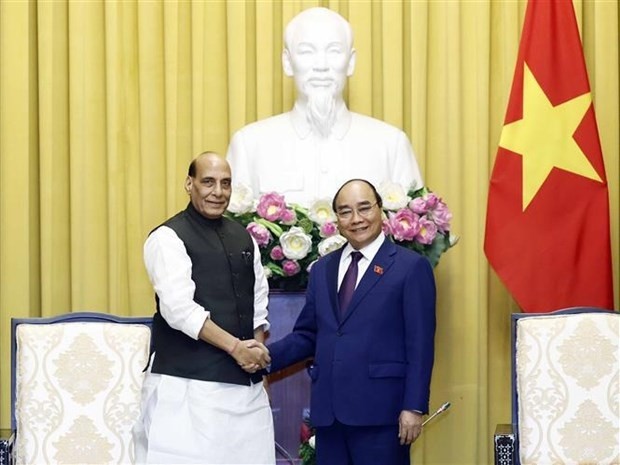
295 243
241 200
267 271
312 442
394 195
330 244
321 212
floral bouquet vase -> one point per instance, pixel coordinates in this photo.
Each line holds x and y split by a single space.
291 238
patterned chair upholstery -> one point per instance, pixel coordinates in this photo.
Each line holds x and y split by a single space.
77 383
566 388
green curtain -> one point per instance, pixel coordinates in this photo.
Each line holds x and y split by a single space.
104 103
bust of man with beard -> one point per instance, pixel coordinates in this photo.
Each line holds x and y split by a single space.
307 153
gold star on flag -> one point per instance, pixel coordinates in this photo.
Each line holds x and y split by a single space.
544 137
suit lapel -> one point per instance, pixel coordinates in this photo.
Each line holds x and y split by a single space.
376 270
332 280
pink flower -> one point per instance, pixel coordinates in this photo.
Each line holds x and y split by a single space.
288 217
441 216
418 205
305 433
427 232
270 206
403 225
424 204
261 234
276 253
328 229
290 267
385 227
431 200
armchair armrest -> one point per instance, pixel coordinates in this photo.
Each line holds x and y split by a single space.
7 438
504 444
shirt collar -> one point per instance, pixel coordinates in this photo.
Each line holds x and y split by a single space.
303 128
368 252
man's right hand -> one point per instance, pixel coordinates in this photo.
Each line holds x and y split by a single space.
251 355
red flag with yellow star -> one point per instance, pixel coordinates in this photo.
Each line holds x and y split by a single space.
547 230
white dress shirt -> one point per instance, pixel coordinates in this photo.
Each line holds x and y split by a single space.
368 253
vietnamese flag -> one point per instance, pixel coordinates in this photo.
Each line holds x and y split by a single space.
547 227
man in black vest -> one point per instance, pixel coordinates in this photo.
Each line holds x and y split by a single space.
199 404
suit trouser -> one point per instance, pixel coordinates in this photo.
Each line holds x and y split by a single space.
340 444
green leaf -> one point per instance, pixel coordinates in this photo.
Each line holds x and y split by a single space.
300 210
307 454
306 224
275 269
274 228
433 251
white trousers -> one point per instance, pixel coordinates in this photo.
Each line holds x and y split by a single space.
201 422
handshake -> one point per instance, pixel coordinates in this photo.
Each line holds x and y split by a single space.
251 355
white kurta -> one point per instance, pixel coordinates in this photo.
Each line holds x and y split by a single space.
192 421
281 154
202 422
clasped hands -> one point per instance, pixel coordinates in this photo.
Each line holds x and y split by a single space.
251 355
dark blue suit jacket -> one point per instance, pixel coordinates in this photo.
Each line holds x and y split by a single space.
378 360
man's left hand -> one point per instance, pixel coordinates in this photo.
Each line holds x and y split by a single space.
409 426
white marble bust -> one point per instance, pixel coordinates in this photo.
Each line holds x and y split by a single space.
308 152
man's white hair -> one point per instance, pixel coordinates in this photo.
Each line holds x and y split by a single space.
316 14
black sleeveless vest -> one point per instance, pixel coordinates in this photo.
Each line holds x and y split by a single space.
222 255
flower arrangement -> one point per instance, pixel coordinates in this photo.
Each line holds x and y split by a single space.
291 238
306 435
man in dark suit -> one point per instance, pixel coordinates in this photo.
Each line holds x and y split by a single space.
369 324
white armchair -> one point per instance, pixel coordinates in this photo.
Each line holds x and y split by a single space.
76 387
566 389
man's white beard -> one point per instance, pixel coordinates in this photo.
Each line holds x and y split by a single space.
321 112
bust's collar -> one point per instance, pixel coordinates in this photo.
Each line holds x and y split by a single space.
303 128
